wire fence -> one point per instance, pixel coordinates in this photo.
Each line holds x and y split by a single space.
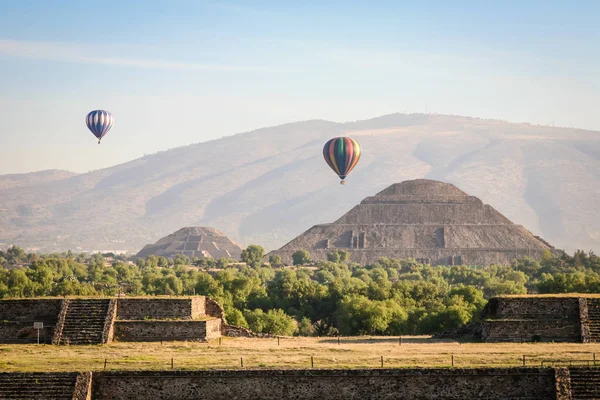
324 362
159 353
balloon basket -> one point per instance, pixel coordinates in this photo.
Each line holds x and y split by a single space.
98 142
342 182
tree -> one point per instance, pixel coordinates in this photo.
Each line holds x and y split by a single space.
334 257
163 262
180 259
301 257
236 318
253 255
15 255
275 322
275 260
305 328
338 256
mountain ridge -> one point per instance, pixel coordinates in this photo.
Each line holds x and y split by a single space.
268 185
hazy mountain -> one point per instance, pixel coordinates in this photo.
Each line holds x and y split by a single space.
34 178
268 185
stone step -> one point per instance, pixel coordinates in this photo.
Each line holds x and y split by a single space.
36 386
84 321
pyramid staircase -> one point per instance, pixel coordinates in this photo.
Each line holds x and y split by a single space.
39 385
585 383
594 319
84 321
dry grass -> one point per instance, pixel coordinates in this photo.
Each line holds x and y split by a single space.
361 352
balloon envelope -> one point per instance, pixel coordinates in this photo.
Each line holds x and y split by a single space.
99 122
342 155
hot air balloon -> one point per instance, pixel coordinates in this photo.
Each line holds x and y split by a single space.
342 155
99 122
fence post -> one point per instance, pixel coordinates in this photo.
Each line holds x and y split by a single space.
171 363
277 340
594 358
453 360
219 340
242 362
381 361
523 359
312 362
400 341
338 340
105 363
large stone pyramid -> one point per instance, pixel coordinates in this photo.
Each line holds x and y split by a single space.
193 242
433 222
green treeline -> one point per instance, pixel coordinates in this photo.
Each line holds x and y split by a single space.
391 297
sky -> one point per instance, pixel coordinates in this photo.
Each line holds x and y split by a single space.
179 72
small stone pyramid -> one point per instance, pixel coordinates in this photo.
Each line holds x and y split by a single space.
201 242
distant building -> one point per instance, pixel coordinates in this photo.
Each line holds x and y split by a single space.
201 242
431 221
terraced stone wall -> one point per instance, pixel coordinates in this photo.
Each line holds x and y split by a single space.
402 384
17 318
160 308
141 331
30 309
533 319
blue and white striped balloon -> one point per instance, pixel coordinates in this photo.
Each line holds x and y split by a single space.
99 122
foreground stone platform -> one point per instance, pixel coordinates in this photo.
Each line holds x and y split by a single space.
567 317
435 384
100 320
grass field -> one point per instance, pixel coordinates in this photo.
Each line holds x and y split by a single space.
355 352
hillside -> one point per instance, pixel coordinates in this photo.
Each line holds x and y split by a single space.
34 178
269 185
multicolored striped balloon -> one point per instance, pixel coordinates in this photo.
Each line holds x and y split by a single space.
342 155
99 122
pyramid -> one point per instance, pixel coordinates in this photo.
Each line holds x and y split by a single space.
431 221
201 242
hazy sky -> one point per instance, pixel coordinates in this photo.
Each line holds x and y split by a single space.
180 72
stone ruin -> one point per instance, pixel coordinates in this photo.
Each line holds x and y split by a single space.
433 222
101 320
565 318
201 242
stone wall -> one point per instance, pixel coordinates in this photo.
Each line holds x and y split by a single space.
23 332
199 307
214 309
532 330
533 308
109 322
584 320
140 331
441 384
527 318
17 318
213 328
30 310
434 384
83 386
160 308
152 317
